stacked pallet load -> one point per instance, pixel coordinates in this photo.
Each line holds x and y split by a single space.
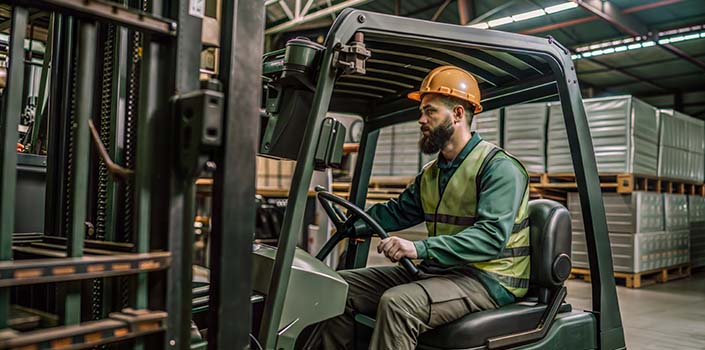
677 224
634 222
646 247
681 146
488 124
696 222
525 134
624 135
397 151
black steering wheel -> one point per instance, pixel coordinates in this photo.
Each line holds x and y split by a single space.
343 223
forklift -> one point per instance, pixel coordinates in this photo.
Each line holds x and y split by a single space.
366 66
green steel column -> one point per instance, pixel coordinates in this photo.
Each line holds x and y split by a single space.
43 86
356 255
11 109
79 180
149 93
242 35
58 109
185 72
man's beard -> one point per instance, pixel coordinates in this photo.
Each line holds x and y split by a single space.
437 138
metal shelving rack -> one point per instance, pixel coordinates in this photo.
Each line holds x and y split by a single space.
151 264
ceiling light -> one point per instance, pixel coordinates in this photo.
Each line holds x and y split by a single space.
528 15
691 36
620 48
482 25
634 46
561 7
649 43
500 21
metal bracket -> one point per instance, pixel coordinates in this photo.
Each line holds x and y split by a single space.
200 128
352 57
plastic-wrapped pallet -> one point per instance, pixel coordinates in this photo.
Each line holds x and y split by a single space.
675 208
397 151
626 213
635 223
488 125
382 165
638 252
624 135
696 216
525 134
681 146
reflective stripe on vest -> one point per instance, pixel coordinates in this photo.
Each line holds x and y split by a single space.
456 209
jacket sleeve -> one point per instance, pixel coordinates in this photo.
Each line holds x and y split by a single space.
401 212
502 187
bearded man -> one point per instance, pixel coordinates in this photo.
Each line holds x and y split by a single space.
473 199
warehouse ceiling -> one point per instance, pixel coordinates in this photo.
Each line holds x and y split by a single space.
652 49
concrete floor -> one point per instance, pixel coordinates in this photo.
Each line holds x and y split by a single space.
657 317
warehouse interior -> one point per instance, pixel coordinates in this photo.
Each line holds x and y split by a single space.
203 174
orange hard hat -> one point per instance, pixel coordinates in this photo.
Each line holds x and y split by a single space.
450 81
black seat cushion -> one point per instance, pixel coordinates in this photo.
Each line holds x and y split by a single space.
474 329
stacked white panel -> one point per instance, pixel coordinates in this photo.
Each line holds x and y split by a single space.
626 213
488 125
525 134
696 217
638 252
646 230
382 165
675 207
681 146
397 151
624 136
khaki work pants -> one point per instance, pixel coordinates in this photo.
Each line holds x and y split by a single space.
404 307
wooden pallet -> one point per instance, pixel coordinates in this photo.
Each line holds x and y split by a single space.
624 183
641 279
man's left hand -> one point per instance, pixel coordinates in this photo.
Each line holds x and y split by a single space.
396 248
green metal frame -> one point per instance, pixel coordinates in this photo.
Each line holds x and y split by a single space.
164 197
11 109
410 32
233 224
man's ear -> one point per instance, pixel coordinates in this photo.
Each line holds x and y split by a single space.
458 113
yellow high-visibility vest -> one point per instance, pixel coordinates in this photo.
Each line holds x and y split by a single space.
456 210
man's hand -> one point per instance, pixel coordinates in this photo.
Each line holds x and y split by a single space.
396 248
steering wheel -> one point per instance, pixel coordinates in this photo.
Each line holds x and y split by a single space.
342 223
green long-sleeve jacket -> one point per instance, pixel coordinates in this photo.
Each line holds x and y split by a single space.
502 187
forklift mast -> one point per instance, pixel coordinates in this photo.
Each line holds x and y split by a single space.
126 130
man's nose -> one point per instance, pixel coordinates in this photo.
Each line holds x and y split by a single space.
422 119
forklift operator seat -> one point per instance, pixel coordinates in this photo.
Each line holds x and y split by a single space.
550 266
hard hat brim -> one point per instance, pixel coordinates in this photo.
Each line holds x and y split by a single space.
417 95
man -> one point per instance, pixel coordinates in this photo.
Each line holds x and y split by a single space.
473 199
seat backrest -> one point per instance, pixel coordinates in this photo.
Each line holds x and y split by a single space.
550 246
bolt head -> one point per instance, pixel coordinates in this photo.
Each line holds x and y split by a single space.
361 18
